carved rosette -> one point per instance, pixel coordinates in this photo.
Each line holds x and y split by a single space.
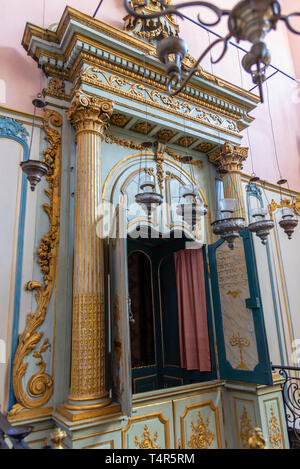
230 158
40 385
90 116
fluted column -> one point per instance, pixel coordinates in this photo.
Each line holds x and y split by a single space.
230 158
90 116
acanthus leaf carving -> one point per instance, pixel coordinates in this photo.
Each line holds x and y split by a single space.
40 384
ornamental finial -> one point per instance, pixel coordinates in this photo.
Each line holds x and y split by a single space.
150 29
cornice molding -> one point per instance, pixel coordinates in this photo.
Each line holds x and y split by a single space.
103 38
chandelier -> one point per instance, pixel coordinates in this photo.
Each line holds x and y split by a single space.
249 20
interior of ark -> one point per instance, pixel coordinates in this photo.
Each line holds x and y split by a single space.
149 242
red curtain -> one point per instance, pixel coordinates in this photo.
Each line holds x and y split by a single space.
192 311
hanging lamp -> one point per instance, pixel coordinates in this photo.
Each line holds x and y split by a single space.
261 226
147 197
189 209
288 221
228 227
34 169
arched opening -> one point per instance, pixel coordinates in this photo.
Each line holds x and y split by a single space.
156 317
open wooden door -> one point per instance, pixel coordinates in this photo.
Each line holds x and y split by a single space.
239 322
120 335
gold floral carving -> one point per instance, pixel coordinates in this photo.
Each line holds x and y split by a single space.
274 431
40 385
146 441
204 147
202 436
185 141
229 157
246 429
119 120
164 135
90 113
56 88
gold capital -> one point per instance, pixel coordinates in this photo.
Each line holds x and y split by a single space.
229 157
90 113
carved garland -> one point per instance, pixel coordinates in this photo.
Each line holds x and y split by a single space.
40 385
121 142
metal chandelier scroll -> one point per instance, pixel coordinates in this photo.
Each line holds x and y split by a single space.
249 20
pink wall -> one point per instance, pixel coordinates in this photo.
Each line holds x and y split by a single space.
22 77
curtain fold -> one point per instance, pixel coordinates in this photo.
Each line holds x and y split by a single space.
192 310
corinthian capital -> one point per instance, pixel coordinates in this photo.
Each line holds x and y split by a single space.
229 157
90 113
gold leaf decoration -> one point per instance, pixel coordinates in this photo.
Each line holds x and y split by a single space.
246 429
202 436
274 431
147 442
40 385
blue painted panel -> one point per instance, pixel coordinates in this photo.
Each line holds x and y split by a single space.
262 373
14 130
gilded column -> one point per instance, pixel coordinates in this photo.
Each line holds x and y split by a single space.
89 116
230 158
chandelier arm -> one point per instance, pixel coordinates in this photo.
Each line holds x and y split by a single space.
173 10
225 40
286 20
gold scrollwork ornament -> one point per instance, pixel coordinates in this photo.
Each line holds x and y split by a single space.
147 442
40 385
202 437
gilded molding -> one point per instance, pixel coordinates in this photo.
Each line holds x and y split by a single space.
90 113
229 157
125 87
40 385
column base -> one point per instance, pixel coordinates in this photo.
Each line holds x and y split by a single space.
85 414
88 402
